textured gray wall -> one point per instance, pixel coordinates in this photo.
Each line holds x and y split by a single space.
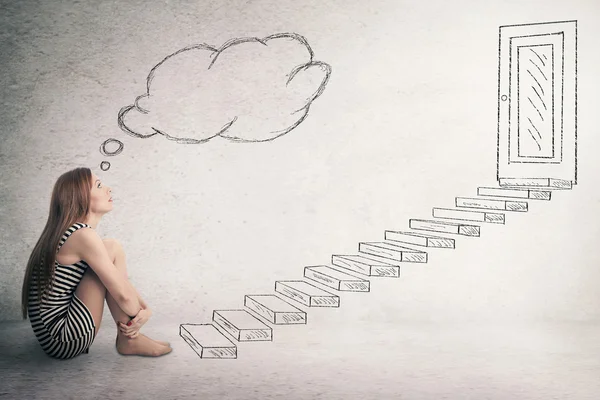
407 122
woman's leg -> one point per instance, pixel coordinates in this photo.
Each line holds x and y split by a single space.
117 254
92 292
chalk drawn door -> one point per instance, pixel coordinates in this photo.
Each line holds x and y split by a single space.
537 90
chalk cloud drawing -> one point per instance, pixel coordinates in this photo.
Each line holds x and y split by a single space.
248 90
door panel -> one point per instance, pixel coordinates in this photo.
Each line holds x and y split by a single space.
538 89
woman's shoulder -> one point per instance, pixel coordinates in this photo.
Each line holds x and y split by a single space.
76 226
78 232
74 243
78 237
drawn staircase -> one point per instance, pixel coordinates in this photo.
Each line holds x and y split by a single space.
351 272
536 156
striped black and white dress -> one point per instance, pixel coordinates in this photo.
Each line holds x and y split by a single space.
62 323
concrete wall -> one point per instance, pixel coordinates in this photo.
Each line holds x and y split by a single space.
407 122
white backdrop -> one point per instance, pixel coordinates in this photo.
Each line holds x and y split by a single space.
406 122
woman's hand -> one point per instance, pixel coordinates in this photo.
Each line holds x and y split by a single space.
132 328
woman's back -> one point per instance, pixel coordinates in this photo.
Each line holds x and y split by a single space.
61 322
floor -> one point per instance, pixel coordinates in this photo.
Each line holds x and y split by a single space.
330 358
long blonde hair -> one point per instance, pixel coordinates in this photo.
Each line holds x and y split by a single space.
70 203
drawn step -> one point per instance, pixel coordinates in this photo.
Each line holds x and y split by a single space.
366 266
420 239
335 279
445 227
505 205
307 294
393 252
207 341
480 216
537 182
274 309
515 192
242 326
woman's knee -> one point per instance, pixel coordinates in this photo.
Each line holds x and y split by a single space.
113 246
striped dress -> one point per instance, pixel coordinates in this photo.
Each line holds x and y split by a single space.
62 323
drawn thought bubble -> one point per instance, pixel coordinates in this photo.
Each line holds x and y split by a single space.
249 90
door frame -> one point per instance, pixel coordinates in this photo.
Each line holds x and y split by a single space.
561 173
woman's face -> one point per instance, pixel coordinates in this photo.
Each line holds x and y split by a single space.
100 199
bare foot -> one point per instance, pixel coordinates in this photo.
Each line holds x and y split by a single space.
157 341
141 346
